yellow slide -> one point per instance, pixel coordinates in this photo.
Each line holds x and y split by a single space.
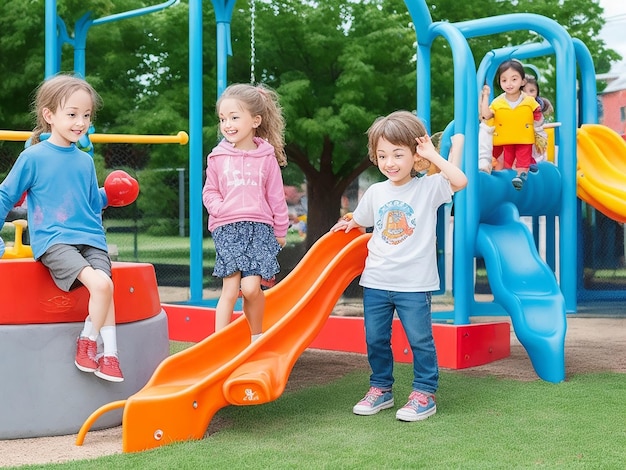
601 172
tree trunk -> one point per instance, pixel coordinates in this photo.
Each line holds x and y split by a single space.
324 204
324 189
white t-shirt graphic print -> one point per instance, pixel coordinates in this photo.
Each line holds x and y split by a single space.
396 222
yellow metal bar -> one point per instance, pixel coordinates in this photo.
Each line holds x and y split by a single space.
16 136
551 148
181 138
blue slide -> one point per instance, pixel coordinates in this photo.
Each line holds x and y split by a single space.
525 286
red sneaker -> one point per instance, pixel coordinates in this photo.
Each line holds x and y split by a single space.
86 351
109 369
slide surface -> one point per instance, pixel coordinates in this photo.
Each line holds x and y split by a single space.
189 387
526 288
601 172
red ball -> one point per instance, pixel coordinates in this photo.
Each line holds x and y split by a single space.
121 188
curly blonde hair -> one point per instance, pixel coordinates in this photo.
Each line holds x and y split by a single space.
259 100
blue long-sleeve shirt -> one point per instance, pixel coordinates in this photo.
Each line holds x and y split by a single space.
63 199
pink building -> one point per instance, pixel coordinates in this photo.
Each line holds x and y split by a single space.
613 103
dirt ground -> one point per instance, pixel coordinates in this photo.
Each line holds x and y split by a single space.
594 342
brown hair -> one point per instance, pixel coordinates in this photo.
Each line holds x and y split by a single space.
399 128
52 93
260 100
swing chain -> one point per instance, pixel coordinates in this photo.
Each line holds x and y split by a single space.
252 40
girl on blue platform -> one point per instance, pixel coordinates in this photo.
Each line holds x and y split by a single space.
516 118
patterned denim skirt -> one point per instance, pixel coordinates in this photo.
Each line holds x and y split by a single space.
249 247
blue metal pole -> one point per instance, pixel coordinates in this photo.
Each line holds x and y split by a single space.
223 16
587 85
137 12
467 211
85 22
556 35
80 43
195 150
51 56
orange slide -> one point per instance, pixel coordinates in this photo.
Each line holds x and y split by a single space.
189 387
601 172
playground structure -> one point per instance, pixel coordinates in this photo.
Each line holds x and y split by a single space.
43 392
180 399
44 315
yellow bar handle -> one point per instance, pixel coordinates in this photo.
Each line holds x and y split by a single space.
181 138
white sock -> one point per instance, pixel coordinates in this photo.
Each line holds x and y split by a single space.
255 337
88 330
109 340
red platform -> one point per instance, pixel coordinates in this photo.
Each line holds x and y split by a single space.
28 294
462 346
458 346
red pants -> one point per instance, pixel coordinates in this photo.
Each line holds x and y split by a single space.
520 154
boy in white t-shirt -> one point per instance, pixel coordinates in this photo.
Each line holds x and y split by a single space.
401 267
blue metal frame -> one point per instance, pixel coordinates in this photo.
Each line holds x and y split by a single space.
568 53
54 40
466 92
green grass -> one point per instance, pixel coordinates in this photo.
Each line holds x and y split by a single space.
158 249
481 423
167 250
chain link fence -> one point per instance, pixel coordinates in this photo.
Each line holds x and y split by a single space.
155 228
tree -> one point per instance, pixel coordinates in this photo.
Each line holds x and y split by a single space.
337 66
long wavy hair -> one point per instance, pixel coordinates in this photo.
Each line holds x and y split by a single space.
260 100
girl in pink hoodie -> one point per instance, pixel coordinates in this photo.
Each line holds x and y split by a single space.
244 196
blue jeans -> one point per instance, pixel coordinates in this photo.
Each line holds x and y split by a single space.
413 309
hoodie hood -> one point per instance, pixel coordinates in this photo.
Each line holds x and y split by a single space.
264 149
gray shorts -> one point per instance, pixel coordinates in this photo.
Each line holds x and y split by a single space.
65 263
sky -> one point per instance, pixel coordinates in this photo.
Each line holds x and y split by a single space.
613 31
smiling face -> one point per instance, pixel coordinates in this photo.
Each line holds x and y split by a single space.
395 161
71 120
511 82
237 125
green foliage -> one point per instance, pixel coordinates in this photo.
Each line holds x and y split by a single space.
580 18
349 60
336 75
293 176
336 64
